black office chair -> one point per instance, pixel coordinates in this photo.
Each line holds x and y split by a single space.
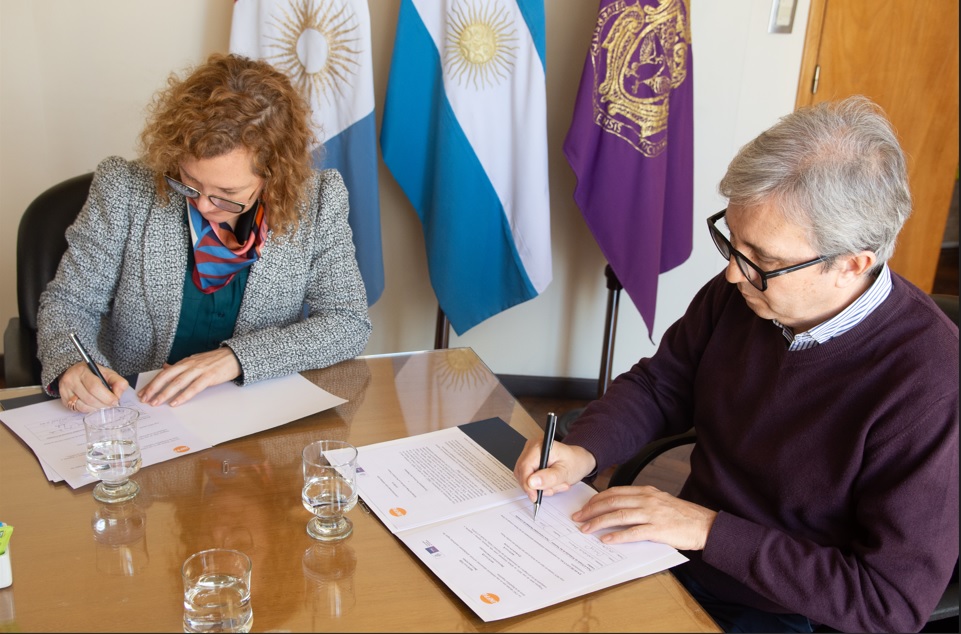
947 303
945 614
40 245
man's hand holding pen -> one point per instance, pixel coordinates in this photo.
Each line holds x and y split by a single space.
566 465
637 512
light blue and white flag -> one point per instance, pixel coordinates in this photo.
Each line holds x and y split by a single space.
324 47
465 135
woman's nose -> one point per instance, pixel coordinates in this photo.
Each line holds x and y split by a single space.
204 204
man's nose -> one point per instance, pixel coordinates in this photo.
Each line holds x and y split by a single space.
733 272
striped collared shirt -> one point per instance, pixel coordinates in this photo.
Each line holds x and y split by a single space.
843 321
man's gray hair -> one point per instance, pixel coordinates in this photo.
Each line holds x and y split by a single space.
835 169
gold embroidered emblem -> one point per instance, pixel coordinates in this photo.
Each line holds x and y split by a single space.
481 44
639 54
316 48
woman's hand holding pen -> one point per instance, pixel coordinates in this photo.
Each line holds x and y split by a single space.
82 391
180 382
566 465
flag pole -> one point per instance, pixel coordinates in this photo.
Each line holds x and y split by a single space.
614 289
442 333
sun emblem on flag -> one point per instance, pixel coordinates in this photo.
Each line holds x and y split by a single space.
460 368
481 44
316 47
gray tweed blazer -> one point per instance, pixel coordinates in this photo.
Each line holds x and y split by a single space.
120 284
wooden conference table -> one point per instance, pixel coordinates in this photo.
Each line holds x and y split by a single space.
79 565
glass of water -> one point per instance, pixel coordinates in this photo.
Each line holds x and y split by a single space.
330 469
217 591
113 452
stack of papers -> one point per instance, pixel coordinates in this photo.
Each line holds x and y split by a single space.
216 415
451 498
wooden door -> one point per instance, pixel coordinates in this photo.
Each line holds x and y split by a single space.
903 54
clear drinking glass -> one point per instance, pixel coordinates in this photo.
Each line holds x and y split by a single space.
217 591
330 468
113 452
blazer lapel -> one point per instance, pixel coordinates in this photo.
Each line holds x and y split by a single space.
166 239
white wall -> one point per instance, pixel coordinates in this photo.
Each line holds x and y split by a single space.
75 76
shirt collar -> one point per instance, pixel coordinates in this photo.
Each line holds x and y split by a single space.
843 321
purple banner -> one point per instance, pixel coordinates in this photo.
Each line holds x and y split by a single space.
631 142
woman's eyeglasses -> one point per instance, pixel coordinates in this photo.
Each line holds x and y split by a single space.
223 204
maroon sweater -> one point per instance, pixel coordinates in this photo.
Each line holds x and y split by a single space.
834 470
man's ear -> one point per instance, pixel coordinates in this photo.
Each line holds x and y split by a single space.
852 267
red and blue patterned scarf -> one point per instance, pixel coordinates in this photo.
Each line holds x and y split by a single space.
219 251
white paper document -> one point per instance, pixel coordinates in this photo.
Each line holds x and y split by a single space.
423 479
451 498
57 438
229 411
216 415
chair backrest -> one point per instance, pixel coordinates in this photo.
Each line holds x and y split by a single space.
41 241
947 303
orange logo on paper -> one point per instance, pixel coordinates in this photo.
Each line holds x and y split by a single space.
490 598
181 448
398 511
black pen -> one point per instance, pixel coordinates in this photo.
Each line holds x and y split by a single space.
86 359
546 452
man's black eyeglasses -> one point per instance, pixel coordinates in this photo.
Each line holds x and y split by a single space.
223 204
751 271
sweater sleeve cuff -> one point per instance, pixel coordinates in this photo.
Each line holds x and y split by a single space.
594 443
732 545
53 389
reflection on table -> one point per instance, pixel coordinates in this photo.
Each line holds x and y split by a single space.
120 532
329 581
122 573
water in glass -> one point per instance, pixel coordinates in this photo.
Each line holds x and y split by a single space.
218 603
113 461
329 497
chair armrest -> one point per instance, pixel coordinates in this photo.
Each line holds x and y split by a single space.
948 605
625 474
20 364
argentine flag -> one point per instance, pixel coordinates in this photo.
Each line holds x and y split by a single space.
465 134
324 47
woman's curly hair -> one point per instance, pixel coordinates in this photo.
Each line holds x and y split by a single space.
227 102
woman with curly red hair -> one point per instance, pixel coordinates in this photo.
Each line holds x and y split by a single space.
219 255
